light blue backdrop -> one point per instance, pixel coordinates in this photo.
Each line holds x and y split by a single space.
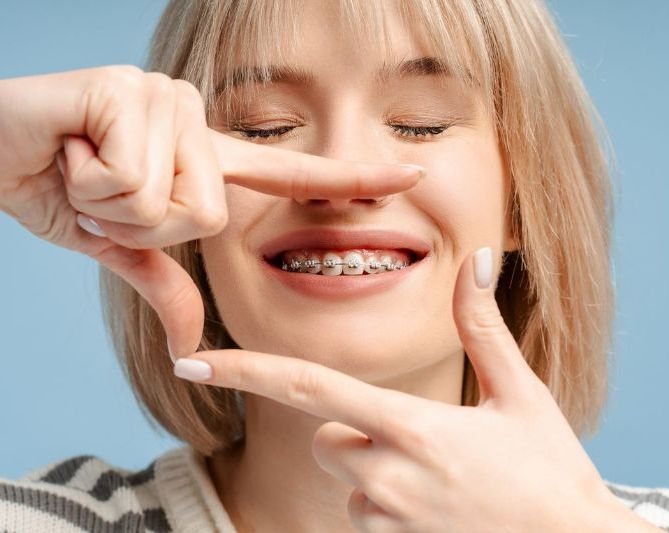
61 390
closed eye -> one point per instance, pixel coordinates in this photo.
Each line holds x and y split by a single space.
401 130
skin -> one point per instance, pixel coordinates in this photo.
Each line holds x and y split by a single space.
457 208
405 339
377 440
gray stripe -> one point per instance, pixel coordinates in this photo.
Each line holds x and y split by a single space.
65 471
109 481
83 517
654 497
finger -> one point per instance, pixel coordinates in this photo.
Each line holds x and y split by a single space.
305 385
282 172
166 286
500 367
148 204
368 517
118 162
342 451
197 206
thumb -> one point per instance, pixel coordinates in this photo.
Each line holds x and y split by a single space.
498 363
167 287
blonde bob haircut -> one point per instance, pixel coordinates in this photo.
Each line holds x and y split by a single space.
555 292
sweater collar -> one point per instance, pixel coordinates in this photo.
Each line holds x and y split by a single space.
187 493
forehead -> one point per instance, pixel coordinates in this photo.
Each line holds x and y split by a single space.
305 77
340 42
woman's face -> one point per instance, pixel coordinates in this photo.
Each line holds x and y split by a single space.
347 114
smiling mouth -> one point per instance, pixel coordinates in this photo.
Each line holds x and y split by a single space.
348 262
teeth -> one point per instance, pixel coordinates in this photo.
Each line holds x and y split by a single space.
351 263
354 264
331 264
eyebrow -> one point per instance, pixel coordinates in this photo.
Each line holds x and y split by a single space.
420 66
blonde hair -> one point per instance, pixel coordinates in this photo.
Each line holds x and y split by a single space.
555 292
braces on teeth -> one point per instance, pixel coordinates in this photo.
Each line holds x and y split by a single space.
331 263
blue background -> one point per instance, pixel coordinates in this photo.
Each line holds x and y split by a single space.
61 390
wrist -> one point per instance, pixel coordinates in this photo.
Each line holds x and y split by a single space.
613 516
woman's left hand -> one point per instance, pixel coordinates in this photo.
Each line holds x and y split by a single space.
511 463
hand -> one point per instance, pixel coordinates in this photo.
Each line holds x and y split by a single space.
129 156
511 463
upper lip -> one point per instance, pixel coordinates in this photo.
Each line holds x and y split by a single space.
328 237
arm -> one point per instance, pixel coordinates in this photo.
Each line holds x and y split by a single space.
614 516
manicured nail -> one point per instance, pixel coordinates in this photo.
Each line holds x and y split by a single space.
415 168
192 369
90 225
483 267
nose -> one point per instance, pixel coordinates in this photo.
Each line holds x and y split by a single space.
341 143
342 204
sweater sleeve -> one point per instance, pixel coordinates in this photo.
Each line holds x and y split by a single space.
651 504
82 493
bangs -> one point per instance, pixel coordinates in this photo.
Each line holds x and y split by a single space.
260 36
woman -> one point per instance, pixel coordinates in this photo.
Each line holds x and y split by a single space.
357 345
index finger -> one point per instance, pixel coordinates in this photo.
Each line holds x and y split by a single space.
308 386
282 172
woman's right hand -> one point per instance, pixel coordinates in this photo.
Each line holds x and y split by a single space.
129 155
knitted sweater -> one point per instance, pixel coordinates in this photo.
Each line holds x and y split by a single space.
173 493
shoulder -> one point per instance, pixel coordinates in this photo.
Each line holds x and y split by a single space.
86 493
650 503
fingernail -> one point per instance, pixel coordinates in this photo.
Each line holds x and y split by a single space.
60 163
483 267
192 369
90 225
415 168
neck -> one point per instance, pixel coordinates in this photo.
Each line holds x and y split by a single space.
271 481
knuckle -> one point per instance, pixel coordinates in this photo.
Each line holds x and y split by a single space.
487 320
123 76
179 297
303 384
147 211
128 180
161 83
125 180
240 373
210 221
189 96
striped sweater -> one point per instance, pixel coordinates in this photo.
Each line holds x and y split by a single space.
173 493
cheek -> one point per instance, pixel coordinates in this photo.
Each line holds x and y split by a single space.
466 194
227 255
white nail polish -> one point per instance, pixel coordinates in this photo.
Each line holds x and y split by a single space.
90 225
483 267
192 369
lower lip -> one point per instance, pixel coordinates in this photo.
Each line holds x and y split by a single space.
342 286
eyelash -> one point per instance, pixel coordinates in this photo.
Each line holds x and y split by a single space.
414 132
